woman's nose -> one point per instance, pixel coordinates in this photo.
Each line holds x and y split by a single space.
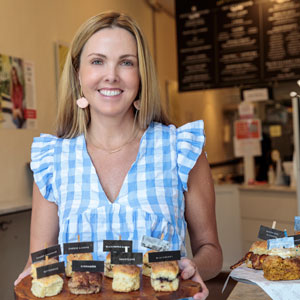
111 74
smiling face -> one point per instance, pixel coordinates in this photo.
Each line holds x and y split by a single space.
109 73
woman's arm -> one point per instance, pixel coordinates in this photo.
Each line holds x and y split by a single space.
201 220
44 226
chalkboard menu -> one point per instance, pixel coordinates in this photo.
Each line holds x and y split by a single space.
224 43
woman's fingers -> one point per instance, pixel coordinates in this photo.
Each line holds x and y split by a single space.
22 275
189 271
188 268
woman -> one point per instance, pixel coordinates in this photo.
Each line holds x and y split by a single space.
16 94
116 168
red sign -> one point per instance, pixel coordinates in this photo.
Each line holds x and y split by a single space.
247 129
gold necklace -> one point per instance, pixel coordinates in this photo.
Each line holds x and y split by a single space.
131 138
111 151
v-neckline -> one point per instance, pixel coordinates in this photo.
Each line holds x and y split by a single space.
141 150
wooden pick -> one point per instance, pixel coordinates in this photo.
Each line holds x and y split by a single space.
46 256
78 238
274 225
162 236
120 238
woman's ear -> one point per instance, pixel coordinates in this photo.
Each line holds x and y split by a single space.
137 104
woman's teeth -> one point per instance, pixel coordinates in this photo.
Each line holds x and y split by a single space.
110 92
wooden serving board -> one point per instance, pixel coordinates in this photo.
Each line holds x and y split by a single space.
187 288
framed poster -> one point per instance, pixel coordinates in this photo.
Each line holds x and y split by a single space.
17 93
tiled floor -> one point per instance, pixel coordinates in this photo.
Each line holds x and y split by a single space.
215 287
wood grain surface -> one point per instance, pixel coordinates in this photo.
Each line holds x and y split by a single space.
187 288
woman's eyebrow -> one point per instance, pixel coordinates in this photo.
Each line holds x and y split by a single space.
104 56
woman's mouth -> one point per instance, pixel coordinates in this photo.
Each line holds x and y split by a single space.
110 92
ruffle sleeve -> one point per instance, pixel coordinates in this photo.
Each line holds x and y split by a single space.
42 160
190 142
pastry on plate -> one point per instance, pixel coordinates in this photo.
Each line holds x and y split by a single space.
85 283
255 257
41 263
282 264
126 278
146 269
76 256
108 267
47 286
164 276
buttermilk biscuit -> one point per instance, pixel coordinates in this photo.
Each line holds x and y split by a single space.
47 286
108 267
164 276
126 278
85 283
41 264
76 256
146 269
255 257
257 254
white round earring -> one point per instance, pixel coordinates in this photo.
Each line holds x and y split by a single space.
82 102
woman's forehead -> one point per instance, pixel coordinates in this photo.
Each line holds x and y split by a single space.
114 39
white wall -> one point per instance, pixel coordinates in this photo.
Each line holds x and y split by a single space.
29 29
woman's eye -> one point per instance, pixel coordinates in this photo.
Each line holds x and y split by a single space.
127 63
97 62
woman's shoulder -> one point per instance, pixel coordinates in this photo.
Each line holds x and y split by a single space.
50 139
196 127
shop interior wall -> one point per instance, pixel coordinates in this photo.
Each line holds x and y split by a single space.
208 105
29 30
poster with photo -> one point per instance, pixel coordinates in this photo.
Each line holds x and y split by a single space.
17 93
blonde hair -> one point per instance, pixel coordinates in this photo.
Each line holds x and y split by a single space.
73 121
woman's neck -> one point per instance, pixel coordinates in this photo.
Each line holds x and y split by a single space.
111 135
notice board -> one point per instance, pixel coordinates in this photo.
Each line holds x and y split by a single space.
227 43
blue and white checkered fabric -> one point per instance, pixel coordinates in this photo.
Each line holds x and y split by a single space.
150 202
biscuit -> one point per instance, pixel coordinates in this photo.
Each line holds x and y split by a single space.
47 286
76 256
126 278
164 276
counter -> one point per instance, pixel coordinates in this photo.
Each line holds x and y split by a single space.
10 207
241 209
243 291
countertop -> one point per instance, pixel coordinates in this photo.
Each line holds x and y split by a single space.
258 187
243 291
9 207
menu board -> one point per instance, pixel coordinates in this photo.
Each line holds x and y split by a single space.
196 46
238 43
281 31
223 43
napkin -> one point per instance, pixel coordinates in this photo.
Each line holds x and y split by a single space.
277 290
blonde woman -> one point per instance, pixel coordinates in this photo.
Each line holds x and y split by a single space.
116 166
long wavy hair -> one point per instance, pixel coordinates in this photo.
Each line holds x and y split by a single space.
73 121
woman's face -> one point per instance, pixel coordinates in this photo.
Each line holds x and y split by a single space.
108 73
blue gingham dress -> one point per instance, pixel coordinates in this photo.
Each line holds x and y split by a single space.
151 199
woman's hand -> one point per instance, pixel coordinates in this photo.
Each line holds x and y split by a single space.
22 275
189 271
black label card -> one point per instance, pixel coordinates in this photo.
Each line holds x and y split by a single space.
87 266
267 233
117 246
52 269
79 247
129 258
164 256
296 239
50 252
